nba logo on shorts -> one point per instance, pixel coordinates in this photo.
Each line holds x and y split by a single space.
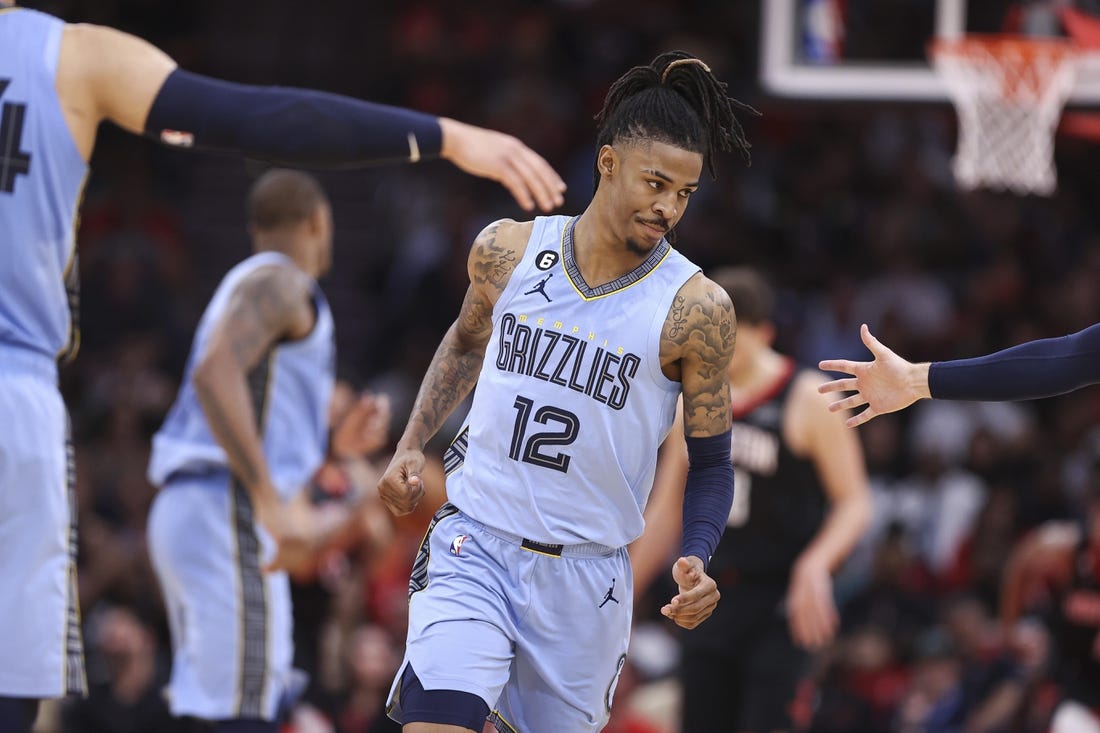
456 543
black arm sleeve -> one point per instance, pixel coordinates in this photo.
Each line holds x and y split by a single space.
1034 369
708 495
288 126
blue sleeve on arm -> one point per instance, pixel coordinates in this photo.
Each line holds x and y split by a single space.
1030 370
708 495
288 126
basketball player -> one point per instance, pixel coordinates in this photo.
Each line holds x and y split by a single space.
1030 370
802 502
247 432
580 333
1062 561
57 83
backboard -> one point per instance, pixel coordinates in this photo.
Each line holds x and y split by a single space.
875 50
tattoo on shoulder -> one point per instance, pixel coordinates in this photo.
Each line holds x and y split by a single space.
265 309
491 262
700 328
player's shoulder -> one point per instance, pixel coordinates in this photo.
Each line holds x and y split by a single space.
700 302
497 251
702 292
282 276
503 233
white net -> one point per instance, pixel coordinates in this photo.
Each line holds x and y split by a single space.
1008 92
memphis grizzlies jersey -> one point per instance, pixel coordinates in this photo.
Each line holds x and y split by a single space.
41 181
571 404
290 394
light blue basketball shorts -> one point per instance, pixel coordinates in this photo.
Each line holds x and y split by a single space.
539 632
231 626
40 647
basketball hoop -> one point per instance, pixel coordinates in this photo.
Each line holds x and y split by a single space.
1008 92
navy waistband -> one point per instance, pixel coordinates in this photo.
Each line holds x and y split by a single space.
584 549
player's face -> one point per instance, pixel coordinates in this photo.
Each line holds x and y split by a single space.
650 184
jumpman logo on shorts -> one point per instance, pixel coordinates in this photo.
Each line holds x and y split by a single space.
608 596
540 288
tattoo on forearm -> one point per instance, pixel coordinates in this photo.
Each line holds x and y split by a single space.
451 376
454 369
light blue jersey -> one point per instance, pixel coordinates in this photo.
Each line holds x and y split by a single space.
41 181
41 178
560 445
522 591
291 392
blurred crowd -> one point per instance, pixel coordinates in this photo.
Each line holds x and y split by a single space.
850 209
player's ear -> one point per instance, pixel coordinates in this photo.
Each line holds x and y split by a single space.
607 161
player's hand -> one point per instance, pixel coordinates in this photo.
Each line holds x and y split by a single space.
401 487
698 594
363 429
294 535
811 611
504 159
887 384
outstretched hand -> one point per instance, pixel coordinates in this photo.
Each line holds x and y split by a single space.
503 158
698 594
887 384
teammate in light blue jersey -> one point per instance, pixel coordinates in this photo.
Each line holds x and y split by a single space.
580 333
244 437
57 83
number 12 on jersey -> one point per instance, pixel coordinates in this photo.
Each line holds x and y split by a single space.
528 449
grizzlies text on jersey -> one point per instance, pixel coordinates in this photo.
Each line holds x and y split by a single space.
571 403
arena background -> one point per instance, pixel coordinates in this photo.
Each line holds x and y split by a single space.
850 208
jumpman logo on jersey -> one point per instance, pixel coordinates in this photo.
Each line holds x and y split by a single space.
540 288
609 595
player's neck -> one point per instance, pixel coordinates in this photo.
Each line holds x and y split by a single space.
600 255
757 375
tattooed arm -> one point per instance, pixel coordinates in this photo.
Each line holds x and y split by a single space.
696 347
457 362
270 304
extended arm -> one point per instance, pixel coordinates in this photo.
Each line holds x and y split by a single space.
107 74
270 304
457 362
838 461
1034 369
699 331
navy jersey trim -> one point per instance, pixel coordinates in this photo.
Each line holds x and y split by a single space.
76 682
635 276
253 625
418 579
455 455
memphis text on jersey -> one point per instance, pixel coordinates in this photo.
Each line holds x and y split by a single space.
564 355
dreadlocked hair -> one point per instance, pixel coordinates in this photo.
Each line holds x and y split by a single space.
674 100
